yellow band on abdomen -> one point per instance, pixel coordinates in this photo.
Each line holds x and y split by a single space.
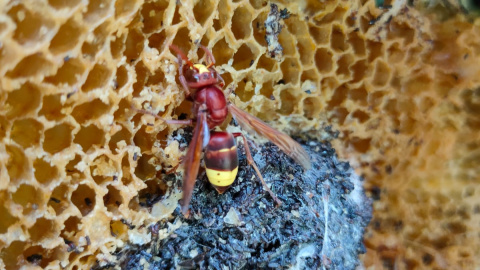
221 178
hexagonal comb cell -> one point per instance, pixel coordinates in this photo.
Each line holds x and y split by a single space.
290 68
121 78
17 164
133 42
306 49
97 10
222 52
59 199
22 101
117 45
145 170
323 60
89 136
51 107
203 10
83 197
289 102
43 229
337 40
113 199
153 15
69 73
34 65
26 132
57 138
258 27
122 135
311 107
143 139
32 26
11 253
29 198
7 220
243 58
343 66
44 171
103 169
66 38
93 45
241 19
39 256
381 74
89 111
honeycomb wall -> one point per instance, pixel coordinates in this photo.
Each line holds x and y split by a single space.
78 167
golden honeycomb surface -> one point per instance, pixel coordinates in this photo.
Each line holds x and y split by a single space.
400 86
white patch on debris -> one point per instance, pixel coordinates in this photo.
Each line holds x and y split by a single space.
306 251
295 213
233 217
139 237
193 253
326 241
164 233
357 193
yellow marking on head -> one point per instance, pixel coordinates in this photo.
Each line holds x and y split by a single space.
221 178
227 150
201 68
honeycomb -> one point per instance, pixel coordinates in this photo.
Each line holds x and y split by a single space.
78 167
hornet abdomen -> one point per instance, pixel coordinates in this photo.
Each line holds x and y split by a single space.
221 160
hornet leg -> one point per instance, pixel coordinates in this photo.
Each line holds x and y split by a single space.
251 162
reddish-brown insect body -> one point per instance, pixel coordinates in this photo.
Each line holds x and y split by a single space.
203 85
216 102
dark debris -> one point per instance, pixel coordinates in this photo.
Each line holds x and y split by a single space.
273 27
35 259
292 235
